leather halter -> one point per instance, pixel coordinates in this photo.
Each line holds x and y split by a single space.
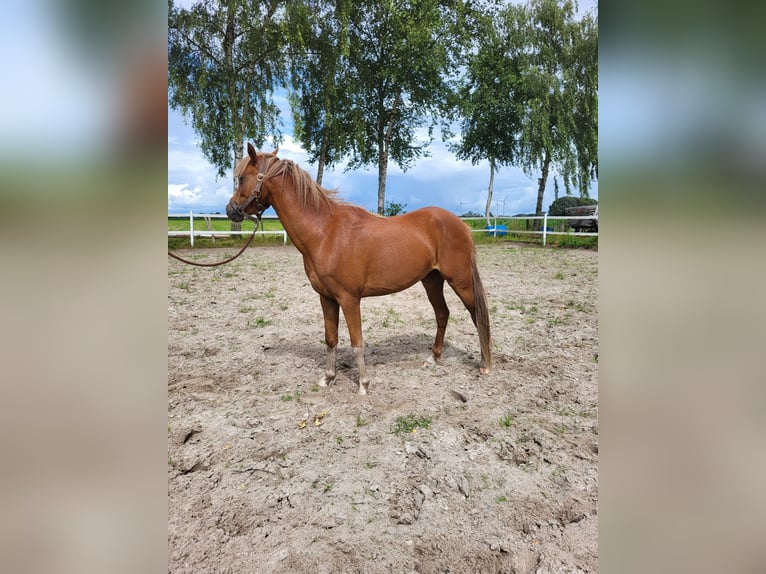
255 196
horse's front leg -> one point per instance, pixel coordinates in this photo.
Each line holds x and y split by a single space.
353 316
330 310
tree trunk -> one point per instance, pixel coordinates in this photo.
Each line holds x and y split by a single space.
322 155
541 181
382 169
238 154
488 210
228 50
383 154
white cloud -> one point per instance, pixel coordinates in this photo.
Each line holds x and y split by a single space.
183 195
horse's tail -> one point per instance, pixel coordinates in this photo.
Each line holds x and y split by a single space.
481 314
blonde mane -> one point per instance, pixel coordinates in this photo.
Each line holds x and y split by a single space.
311 194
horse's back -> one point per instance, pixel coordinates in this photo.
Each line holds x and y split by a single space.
434 219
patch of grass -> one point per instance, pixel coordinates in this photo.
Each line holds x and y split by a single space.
184 286
577 306
576 242
259 323
392 318
410 423
559 321
507 420
328 486
501 499
564 411
360 422
339 439
559 275
289 396
371 464
522 308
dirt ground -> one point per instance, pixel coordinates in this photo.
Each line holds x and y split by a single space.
270 473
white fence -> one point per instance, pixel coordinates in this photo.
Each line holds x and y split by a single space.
207 217
493 229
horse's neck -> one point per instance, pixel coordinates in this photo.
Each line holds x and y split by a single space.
304 225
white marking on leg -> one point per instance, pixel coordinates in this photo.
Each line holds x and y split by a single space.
329 374
364 381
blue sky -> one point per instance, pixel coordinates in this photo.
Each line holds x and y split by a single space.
439 179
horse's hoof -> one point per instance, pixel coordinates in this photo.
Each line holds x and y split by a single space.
484 370
363 388
429 362
326 381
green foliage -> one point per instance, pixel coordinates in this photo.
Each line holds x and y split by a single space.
507 420
369 81
559 206
393 208
574 241
529 97
410 423
259 323
224 60
395 87
491 114
561 83
321 105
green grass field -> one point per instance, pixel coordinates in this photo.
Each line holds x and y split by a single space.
520 230
222 225
517 231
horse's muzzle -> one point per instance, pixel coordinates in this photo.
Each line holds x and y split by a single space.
234 212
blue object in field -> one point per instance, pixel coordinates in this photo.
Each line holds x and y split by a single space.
501 230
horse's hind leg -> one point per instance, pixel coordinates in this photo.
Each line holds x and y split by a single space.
434 284
330 310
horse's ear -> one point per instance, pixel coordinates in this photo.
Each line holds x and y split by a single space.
251 152
274 153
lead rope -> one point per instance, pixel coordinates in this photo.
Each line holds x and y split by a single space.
182 260
256 195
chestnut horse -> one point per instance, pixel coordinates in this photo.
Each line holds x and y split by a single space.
350 253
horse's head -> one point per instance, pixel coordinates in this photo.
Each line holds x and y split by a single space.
250 199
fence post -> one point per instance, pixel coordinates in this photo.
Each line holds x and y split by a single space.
545 227
191 227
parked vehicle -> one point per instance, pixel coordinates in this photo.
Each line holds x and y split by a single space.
585 224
